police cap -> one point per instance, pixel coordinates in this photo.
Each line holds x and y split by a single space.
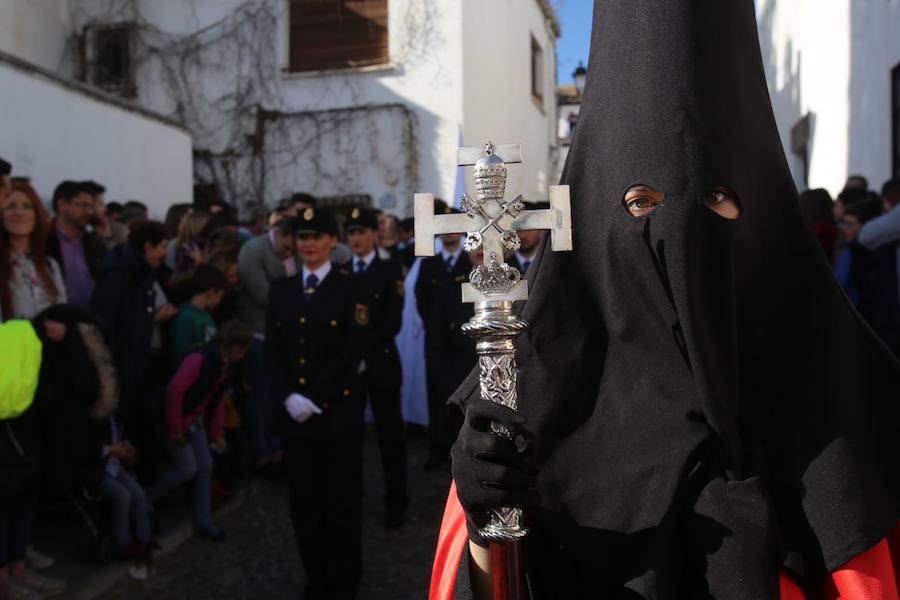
315 220
361 218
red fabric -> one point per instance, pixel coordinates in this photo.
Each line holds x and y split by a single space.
789 589
451 543
872 575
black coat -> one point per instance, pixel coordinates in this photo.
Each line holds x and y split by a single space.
314 348
450 351
20 452
432 275
382 287
125 300
47 444
406 255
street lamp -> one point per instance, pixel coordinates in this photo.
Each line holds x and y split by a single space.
580 75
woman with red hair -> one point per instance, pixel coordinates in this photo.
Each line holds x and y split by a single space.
30 281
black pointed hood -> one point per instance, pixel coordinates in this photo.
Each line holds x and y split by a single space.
664 333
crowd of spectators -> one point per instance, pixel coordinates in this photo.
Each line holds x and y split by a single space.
859 232
159 325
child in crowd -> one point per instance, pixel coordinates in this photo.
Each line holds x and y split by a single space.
194 325
129 502
194 406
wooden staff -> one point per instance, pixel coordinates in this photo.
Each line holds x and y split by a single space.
507 571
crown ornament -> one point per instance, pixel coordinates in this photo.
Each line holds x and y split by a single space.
495 278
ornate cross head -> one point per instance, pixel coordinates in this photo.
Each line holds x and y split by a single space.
491 222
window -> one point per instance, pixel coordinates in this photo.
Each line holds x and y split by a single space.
537 72
895 120
337 34
109 58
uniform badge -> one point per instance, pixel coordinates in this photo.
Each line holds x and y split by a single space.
308 214
401 289
354 214
362 314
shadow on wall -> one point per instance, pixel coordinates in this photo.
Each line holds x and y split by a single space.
786 100
385 150
874 53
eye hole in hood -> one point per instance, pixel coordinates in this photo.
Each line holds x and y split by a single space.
723 201
641 200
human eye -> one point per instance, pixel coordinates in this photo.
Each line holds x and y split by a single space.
642 200
723 201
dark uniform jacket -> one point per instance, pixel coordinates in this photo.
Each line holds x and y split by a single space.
452 350
314 348
406 255
450 353
513 261
432 274
381 285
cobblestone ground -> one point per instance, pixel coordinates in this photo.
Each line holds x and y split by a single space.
260 560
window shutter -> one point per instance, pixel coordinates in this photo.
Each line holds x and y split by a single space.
334 34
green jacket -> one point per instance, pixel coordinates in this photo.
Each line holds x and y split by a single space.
20 364
191 329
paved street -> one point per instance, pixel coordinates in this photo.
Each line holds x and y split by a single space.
259 560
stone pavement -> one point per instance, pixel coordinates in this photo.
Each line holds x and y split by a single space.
260 560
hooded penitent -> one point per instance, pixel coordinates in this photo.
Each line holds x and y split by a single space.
684 346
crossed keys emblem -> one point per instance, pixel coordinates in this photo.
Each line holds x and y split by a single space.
474 208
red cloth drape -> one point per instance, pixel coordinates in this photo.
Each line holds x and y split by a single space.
870 576
451 543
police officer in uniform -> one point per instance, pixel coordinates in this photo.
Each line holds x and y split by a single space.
316 328
381 281
437 287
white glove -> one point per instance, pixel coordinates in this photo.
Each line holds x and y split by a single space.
301 408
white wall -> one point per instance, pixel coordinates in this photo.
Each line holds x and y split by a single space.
833 59
52 132
425 76
37 31
874 52
408 115
383 150
497 88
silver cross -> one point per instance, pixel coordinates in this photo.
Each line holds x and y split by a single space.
491 222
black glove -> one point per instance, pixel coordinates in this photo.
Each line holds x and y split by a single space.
490 470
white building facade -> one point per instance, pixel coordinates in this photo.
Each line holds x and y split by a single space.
355 101
568 101
833 69
55 128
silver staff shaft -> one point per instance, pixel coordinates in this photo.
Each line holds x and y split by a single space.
495 327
